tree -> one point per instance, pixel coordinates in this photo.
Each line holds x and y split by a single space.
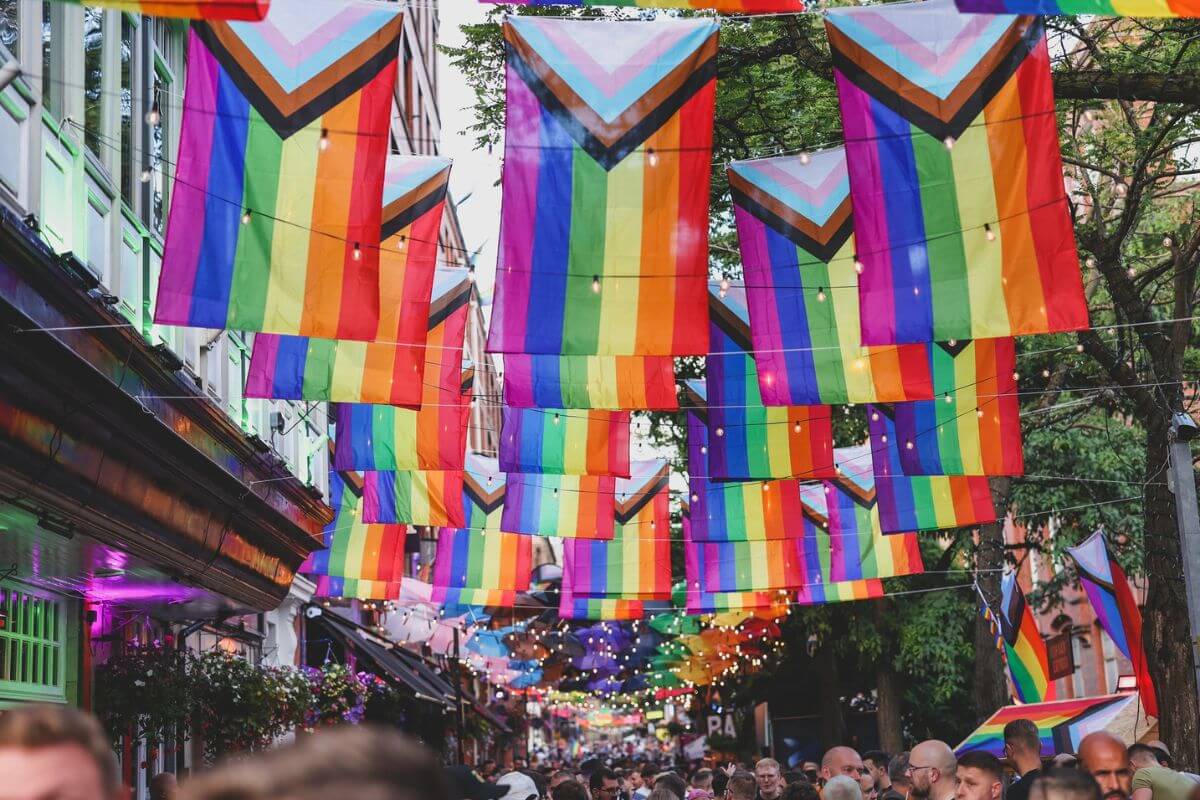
1128 95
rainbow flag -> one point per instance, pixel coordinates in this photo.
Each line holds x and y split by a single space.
251 10
607 150
600 382
819 594
565 442
921 502
816 553
275 220
756 566
1116 609
770 603
467 559
459 601
636 563
722 6
415 497
960 213
358 559
974 425
1110 8
858 547
747 440
483 492
1061 724
567 506
797 246
389 369
1026 652
599 608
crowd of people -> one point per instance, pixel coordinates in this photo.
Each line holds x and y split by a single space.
57 753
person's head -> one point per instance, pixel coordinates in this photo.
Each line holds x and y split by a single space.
876 762
562 776
702 779
842 787
980 777
569 789
770 782
846 761
742 785
931 770
635 779
663 792
649 773
1142 756
55 751
1064 761
603 784
801 790
1064 784
362 762
1022 744
672 783
487 768
1160 749
518 786
1104 757
164 786
898 772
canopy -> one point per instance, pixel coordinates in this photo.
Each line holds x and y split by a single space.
1063 723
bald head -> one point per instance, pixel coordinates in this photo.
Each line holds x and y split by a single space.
1104 757
842 787
931 765
846 762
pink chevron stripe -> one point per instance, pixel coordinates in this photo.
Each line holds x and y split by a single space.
295 53
918 52
815 194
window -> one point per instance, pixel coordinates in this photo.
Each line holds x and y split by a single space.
160 124
94 97
10 26
51 58
32 662
127 43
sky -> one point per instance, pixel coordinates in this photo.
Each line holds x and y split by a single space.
475 172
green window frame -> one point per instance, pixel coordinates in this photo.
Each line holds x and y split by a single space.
34 662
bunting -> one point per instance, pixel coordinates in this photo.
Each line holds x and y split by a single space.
418 497
562 442
921 503
1116 609
599 382
599 608
770 603
1108 8
275 218
604 230
747 440
797 245
391 368
250 10
467 559
1026 652
457 600
956 182
567 506
974 425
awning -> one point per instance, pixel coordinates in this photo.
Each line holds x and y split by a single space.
392 662
487 714
1063 723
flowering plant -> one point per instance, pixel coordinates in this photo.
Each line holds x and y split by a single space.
338 695
145 692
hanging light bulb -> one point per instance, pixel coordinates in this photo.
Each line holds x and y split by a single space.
1079 348
1016 376
821 294
357 252
1131 272
596 284
805 158
246 217
874 416
988 232
796 427
1045 373
146 176
916 291
949 398
652 156
324 144
1090 261
556 418
400 244
859 266
153 116
908 445
720 432
949 142
979 413
1167 241
883 438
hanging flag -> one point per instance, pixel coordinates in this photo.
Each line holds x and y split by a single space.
384 437
607 151
747 440
743 566
358 560
858 547
921 502
456 601
1023 645
817 594
1109 8
275 217
960 213
797 245
636 563
722 6
413 304
974 425
816 554
416 497
567 506
772 604
483 492
1116 609
467 559
599 608
600 382
565 442
251 10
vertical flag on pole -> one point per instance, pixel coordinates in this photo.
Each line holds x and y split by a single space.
1026 651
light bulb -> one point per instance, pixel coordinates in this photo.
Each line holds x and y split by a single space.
979 413
556 419
949 142
652 157
949 398
989 233
246 217
324 139
400 244
596 284
1167 242
883 438
724 283
796 427
1090 261
357 252
908 445
1078 348
1131 272
146 175
805 158
153 116
874 416
858 265
720 431
1045 373
821 295
1016 376
916 291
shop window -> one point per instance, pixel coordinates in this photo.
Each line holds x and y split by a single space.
32 644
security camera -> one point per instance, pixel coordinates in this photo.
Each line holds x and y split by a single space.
312 612
1184 427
